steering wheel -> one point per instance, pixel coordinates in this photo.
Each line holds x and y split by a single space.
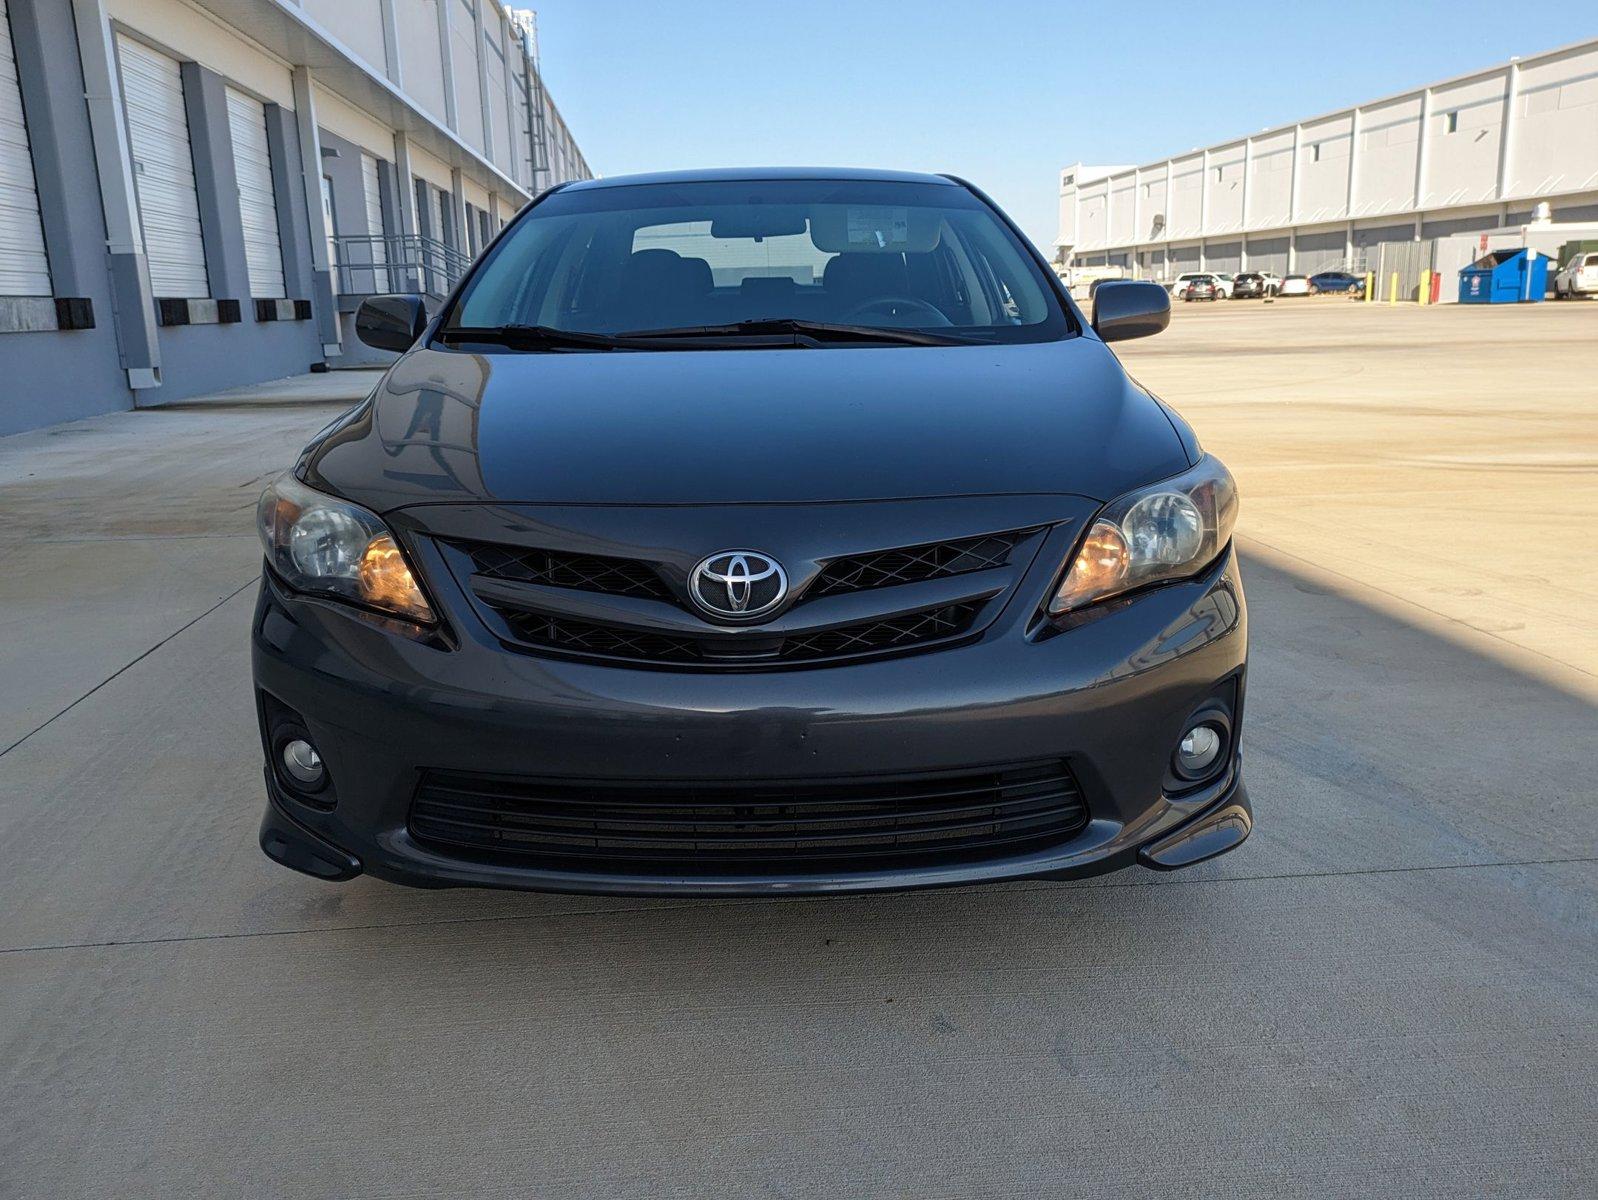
895 306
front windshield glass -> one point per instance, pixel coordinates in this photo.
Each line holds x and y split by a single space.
647 257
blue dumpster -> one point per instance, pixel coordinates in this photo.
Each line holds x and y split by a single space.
1504 277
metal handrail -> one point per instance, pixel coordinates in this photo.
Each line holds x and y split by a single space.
372 264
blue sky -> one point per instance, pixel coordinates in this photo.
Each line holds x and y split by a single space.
1002 93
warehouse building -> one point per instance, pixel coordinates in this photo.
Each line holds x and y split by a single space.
196 194
1370 187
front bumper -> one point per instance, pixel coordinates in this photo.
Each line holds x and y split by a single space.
1111 696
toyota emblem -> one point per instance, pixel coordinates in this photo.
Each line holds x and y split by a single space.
737 584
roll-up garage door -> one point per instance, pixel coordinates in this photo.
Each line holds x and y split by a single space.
24 269
252 164
163 170
373 195
1224 256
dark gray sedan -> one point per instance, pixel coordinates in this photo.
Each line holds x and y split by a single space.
753 532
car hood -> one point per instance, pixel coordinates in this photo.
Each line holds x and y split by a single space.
745 426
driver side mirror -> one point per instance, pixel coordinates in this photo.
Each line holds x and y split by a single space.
1128 308
391 322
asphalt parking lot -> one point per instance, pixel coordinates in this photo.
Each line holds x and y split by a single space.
1390 990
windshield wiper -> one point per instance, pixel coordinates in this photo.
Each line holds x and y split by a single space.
805 333
529 337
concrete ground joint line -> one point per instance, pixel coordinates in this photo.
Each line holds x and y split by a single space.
1405 600
127 666
673 906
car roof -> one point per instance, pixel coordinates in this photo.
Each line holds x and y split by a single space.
751 174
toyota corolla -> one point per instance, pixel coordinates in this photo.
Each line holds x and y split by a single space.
752 532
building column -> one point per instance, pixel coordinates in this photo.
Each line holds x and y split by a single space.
447 63
482 81
137 343
325 297
1422 151
409 224
1353 165
458 214
1170 168
1137 208
392 63
1506 140
1248 174
293 226
1204 200
1292 184
216 185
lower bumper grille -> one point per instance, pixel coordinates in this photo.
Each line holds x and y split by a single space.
758 826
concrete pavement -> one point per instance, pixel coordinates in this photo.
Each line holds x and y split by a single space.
1388 991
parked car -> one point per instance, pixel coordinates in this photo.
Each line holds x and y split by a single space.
1294 285
1578 278
1340 282
1222 282
1251 285
1202 287
636 576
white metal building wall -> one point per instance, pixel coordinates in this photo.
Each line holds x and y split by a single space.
24 269
372 193
163 170
252 164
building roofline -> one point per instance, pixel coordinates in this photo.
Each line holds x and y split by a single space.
1464 77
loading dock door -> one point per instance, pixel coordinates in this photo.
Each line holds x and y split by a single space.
252 164
373 197
24 269
163 170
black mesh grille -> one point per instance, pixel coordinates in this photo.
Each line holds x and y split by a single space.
563 633
566 634
582 572
802 826
913 564
881 635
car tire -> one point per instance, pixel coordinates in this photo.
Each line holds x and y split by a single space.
1355 289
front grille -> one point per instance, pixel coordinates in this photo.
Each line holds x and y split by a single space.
912 564
564 633
881 635
540 623
766 826
581 572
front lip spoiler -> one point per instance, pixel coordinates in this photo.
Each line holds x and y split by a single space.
285 841
1213 832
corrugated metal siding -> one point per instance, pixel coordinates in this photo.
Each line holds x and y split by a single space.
24 269
252 164
163 170
373 196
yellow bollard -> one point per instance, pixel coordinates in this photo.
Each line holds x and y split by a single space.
1392 289
1425 296
1370 286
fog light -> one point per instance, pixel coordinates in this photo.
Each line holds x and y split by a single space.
1198 750
303 763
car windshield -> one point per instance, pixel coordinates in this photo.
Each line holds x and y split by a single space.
929 259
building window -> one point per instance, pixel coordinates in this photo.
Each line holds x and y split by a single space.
1315 152
1451 122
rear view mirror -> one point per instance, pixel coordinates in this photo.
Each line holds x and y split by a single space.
391 322
760 221
1126 308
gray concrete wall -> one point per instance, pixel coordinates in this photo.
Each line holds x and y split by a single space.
61 376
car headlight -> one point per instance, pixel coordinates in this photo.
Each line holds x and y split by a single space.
1171 530
330 547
